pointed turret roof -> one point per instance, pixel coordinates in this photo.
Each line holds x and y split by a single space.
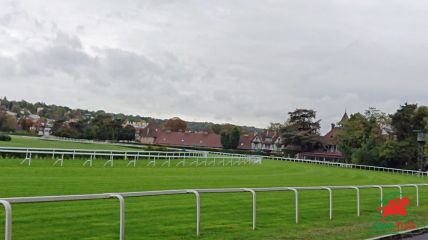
344 119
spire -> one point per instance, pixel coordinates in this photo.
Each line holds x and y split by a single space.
344 119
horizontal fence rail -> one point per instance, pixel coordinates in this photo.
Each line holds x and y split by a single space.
335 164
198 158
350 165
8 202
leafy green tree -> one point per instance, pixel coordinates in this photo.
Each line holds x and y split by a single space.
225 140
104 127
7 123
377 139
127 133
301 130
275 126
175 125
116 125
25 123
90 131
409 117
361 137
230 138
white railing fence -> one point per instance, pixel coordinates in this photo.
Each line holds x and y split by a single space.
164 158
8 202
153 158
350 165
199 158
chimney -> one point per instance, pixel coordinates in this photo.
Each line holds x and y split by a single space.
333 126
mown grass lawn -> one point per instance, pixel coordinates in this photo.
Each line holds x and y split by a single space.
224 216
33 142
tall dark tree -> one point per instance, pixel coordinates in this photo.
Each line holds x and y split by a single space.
302 130
362 136
116 125
409 117
7 123
175 125
25 123
276 127
127 133
230 138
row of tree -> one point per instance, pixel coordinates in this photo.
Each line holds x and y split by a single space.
102 127
9 123
64 113
372 137
384 140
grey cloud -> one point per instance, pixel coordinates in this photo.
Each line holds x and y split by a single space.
246 62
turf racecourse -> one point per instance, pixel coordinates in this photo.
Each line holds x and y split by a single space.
223 216
20 141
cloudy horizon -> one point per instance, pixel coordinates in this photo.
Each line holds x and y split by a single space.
242 62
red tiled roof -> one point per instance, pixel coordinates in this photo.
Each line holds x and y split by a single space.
151 130
268 134
328 139
245 141
210 140
322 154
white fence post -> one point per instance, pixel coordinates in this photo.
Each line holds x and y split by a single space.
331 200
296 195
417 194
358 200
401 191
8 220
254 205
121 215
381 197
198 210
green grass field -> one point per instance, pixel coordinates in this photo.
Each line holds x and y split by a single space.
21 141
223 216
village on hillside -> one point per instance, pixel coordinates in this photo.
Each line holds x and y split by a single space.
268 141
371 137
150 132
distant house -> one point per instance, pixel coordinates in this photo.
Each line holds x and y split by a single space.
268 141
138 126
330 151
188 139
45 127
148 134
152 134
328 140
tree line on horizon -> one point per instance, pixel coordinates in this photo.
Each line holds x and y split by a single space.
371 138
62 113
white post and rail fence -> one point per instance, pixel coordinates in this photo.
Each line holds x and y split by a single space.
199 158
9 202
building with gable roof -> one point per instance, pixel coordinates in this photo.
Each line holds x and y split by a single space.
330 151
268 141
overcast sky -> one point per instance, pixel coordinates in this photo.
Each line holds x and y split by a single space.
244 62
